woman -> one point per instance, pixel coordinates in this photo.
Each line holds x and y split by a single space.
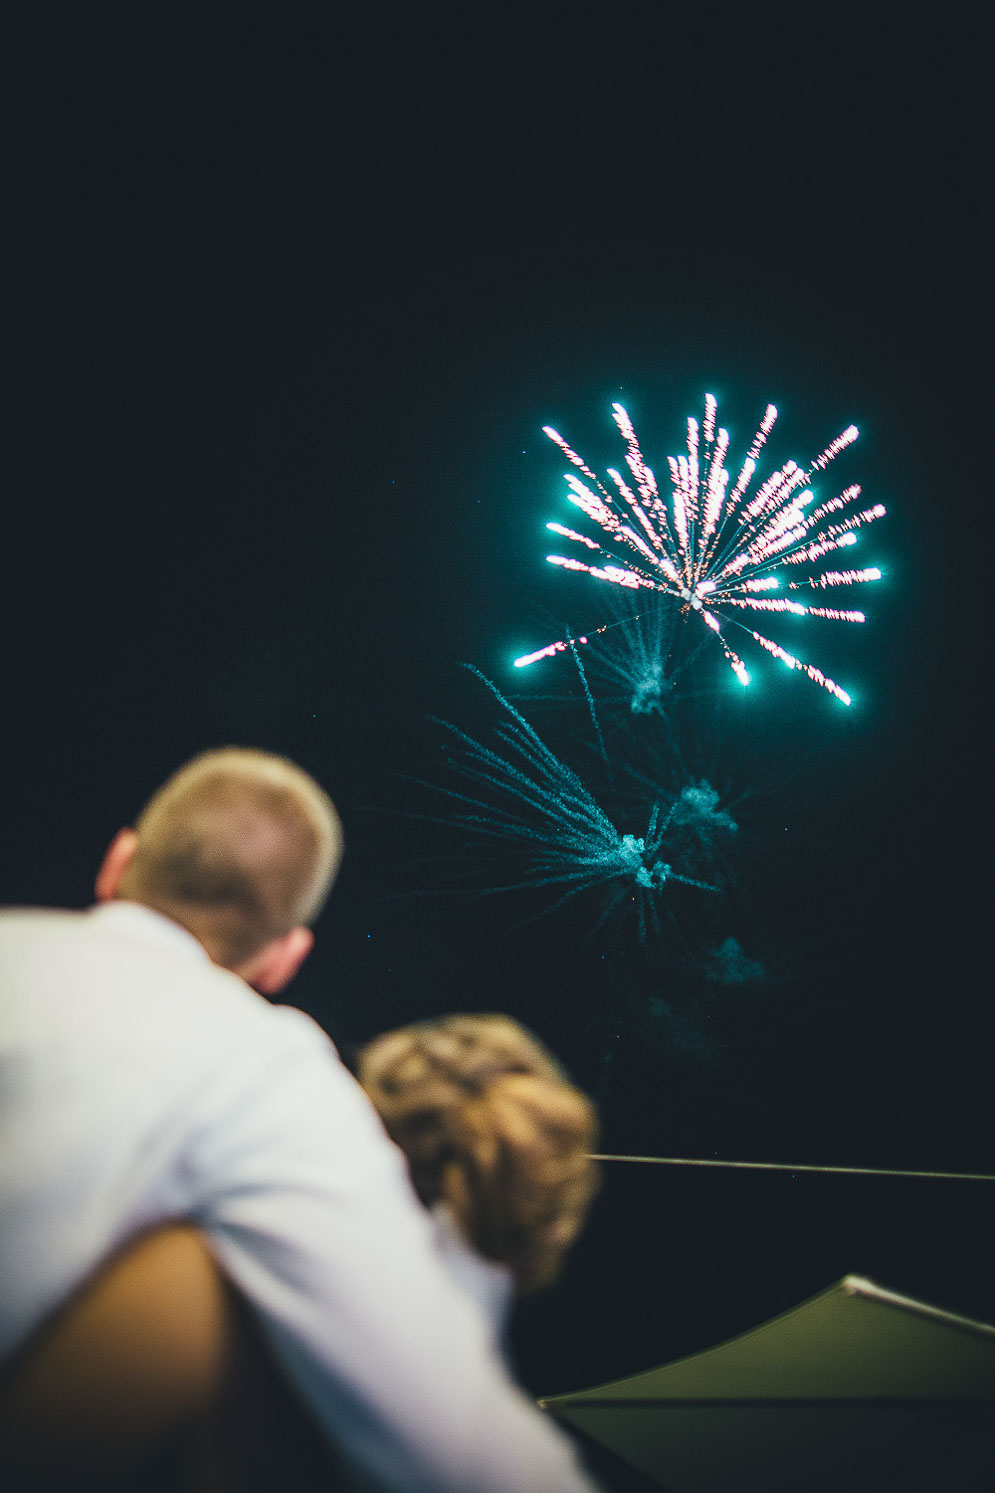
498 1144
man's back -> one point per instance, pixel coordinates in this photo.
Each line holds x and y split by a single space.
140 1082
116 1037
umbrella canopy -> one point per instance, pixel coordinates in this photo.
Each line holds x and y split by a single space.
857 1388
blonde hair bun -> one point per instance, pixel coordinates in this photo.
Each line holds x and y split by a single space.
492 1127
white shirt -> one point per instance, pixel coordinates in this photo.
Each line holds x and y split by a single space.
141 1083
487 1283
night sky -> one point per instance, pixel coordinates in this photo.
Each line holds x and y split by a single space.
291 300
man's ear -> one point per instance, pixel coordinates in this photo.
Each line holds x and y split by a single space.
117 860
276 963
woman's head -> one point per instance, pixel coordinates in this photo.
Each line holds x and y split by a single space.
491 1127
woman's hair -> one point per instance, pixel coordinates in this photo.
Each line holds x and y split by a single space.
492 1128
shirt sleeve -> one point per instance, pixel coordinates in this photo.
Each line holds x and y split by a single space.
489 1285
310 1212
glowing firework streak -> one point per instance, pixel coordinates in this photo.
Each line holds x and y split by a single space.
634 661
703 541
524 799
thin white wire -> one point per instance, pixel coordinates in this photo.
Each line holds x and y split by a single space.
786 1166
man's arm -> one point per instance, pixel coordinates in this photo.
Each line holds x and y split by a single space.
309 1210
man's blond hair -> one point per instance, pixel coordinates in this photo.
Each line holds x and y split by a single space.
238 847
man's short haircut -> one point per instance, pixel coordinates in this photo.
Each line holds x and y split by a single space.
239 846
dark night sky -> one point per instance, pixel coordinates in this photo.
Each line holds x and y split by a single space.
291 301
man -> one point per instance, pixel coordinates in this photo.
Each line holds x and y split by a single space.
144 1080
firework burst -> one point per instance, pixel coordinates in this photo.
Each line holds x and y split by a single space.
637 665
718 547
547 829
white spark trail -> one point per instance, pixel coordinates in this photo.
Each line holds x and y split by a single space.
702 539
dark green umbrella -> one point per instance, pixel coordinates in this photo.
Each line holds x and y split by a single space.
858 1388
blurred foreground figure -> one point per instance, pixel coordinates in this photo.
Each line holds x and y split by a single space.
144 1081
498 1143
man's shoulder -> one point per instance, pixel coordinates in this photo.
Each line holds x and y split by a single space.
35 919
43 934
23 929
127 928
123 972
